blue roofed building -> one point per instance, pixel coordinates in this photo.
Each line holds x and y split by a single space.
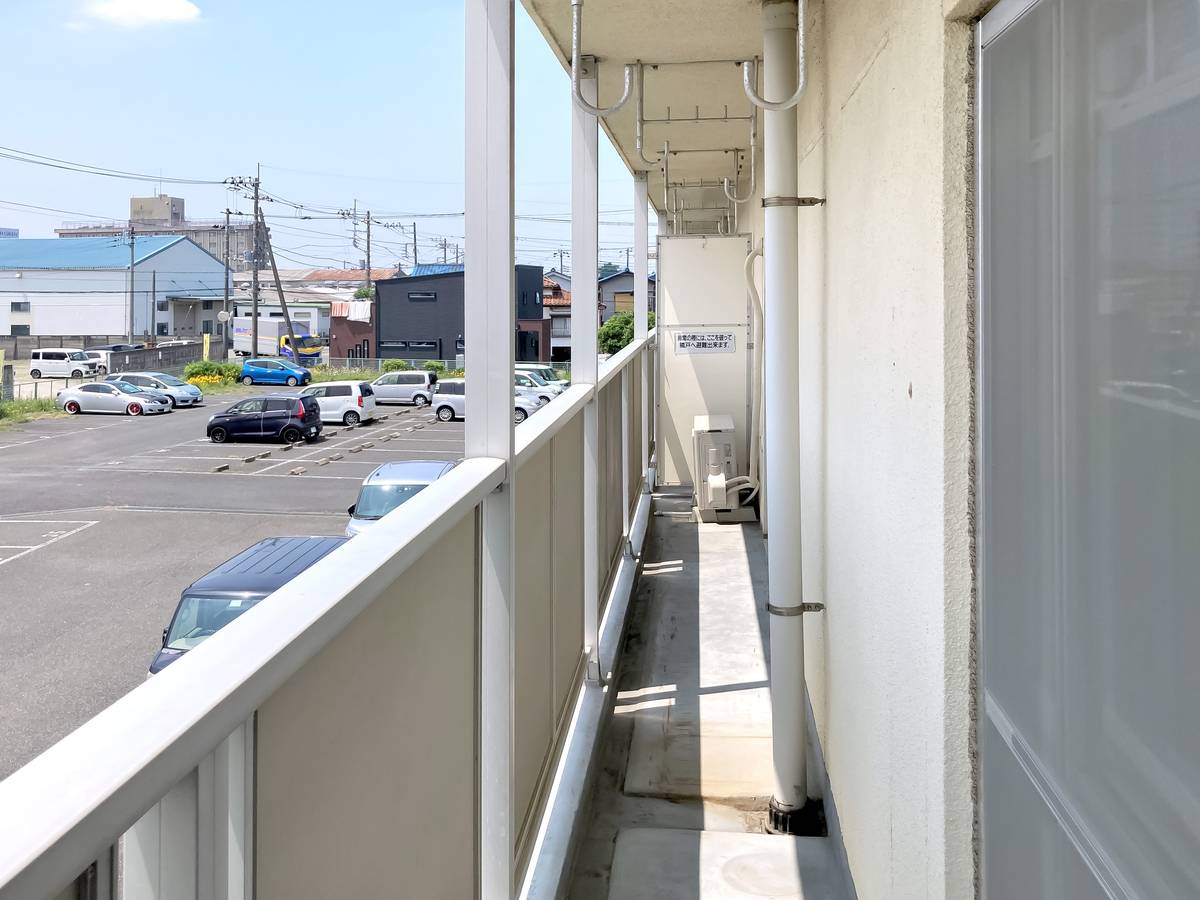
83 286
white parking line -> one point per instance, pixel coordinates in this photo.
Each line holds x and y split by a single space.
233 474
57 536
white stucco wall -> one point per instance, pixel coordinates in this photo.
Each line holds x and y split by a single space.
886 377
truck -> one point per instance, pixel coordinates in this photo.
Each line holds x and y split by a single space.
273 339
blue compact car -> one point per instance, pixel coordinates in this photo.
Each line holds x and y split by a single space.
274 371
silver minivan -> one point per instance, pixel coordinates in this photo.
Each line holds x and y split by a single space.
405 387
60 362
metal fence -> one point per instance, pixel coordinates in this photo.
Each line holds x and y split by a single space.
48 388
357 364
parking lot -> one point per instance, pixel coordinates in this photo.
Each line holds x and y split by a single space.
104 519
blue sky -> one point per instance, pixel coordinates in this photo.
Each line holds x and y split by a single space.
358 100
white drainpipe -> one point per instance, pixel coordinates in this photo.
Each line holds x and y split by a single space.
782 418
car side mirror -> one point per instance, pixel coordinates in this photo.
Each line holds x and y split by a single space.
164 640
351 510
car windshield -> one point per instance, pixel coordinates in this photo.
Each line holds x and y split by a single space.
201 617
377 500
79 355
171 381
308 342
537 379
126 387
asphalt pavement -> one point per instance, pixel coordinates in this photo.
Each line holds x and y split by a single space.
105 519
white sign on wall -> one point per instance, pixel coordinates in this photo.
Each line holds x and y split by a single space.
704 342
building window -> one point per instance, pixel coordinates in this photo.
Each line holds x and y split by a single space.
19 306
162 306
220 329
460 345
207 304
422 345
422 296
393 345
206 326
19 330
160 329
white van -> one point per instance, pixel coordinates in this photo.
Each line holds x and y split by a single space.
345 402
60 362
405 387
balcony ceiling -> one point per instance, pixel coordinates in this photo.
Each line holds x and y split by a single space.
710 36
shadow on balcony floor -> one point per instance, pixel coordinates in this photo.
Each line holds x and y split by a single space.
679 806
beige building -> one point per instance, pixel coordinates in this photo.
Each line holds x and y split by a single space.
164 215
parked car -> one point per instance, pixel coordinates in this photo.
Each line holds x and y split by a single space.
389 486
274 371
450 402
214 600
101 358
346 402
118 348
286 417
111 397
546 373
177 391
532 385
60 362
405 387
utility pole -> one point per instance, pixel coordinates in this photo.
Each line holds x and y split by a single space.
287 316
153 304
354 225
225 326
367 273
129 337
254 273
627 251
560 262
416 259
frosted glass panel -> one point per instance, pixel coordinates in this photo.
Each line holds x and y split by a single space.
1090 305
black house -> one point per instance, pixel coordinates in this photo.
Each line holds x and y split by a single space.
420 316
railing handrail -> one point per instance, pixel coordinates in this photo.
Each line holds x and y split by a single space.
60 811
537 431
611 367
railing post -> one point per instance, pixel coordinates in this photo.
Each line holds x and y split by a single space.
626 422
584 363
641 308
490 316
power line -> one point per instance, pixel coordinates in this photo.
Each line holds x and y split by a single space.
88 169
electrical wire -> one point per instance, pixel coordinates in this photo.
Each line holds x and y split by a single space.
88 169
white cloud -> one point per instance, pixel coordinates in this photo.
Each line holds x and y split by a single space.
136 13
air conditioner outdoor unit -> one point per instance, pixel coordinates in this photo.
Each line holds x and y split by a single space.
714 466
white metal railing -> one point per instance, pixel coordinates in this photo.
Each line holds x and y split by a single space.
62 810
188 738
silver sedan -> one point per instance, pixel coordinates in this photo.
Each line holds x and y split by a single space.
111 397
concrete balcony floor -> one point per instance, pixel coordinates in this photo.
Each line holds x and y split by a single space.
679 806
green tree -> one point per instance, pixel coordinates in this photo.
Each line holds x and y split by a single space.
365 293
607 269
617 332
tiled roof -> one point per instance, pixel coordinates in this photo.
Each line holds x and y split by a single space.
81 252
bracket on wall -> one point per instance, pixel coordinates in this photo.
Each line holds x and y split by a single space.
768 202
795 610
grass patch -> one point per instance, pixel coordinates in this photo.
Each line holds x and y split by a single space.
15 412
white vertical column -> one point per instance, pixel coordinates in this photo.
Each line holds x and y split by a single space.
584 325
489 335
782 418
641 306
626 426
